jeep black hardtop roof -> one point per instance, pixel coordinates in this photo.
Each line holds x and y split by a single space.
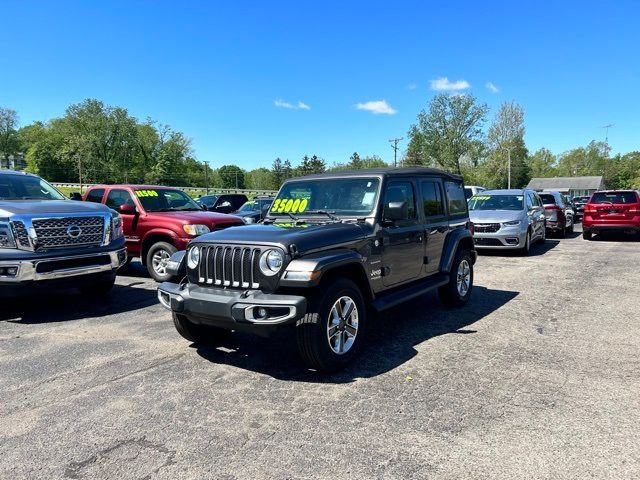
16 172
389 172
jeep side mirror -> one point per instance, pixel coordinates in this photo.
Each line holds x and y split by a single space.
394 211
75 196
127 209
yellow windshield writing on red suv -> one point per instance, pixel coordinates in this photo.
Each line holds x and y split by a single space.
146 193
289 205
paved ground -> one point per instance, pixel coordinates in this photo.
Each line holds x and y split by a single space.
539 377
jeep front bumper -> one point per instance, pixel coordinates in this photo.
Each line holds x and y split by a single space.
230 308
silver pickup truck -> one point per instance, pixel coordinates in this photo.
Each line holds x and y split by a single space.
48 241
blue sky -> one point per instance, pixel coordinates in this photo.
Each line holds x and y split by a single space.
251 81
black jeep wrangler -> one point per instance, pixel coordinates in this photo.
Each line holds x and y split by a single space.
333 249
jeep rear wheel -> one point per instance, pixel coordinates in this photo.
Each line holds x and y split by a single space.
458 291
156 261
198 334
331 332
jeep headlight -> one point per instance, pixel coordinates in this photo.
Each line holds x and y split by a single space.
116 226
6 236
195 229
193 257
271 262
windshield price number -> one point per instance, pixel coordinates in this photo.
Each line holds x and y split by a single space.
289 205
146 193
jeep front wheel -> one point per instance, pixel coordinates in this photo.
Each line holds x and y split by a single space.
198 334
458 290
331 332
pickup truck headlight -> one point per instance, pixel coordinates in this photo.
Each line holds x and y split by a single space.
193 257
271 262
512 223
6 236
195 229
116 226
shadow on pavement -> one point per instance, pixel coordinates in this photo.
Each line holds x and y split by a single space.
537 249
390 342
616 237
68 304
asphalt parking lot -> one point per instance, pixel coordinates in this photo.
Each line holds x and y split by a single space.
538 377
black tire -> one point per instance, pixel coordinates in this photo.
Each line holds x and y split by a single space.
570 227
543 239
527 245
198 334
586 235
449 294
99 289
317 349
160 249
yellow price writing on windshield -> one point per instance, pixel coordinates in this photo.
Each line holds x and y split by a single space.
289 205
146 193
480 197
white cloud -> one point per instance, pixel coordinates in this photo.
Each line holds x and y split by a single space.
492 87
377 107
444 85
298 106
412 86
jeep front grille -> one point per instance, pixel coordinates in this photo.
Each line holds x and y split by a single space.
62 232
229 266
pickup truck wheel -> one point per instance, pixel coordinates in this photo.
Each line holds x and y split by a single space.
198 334
570 227
157 258
99 289
331 332
458 291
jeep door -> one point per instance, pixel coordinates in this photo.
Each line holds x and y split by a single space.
402 237
436 224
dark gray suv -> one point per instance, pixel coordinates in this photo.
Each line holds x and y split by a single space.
333 249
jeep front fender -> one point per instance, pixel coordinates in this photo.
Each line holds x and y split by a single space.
308 271
455 239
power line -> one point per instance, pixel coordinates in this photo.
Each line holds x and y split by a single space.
395 141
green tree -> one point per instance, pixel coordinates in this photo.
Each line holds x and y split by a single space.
450 129
355 162
542 164
9 138
260 179
232 176
311 165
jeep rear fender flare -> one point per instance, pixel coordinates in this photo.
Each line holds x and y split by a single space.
459 237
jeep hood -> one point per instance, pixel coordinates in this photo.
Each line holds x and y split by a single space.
305 237
46 207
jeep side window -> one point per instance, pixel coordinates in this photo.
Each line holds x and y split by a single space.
456 199
117 198
432 203
401 192
95 195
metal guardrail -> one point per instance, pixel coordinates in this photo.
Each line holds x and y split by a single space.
249 192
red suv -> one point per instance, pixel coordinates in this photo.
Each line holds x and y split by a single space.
158 221
611 210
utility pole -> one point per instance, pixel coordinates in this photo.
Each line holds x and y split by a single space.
80 171
394 142
606 134
206 176
508 149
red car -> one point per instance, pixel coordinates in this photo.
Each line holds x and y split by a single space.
611 210
158 221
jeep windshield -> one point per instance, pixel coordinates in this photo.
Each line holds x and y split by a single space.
327 197
27 187
496 202
166 200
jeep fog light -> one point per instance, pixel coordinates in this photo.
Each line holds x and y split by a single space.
193 258
271 262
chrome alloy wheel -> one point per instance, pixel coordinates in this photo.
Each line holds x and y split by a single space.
342 326
159 261
463 278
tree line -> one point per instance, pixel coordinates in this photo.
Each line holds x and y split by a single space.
97 143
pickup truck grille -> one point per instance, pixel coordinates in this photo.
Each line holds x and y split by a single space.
63 232
229 266
22 237
486 227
